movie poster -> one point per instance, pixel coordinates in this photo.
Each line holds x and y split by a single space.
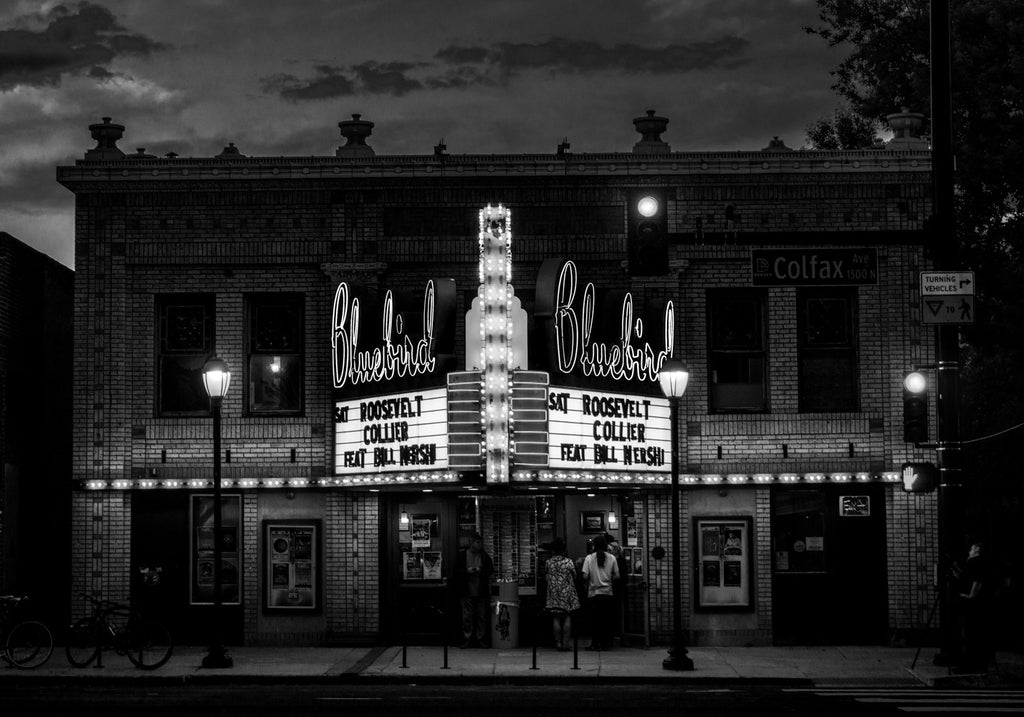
432 565
412 566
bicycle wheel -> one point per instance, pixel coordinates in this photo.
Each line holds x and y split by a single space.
83 643
29 644
148 644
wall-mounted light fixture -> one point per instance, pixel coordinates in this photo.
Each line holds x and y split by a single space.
613 520
403 519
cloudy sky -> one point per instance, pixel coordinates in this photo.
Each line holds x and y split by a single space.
497 76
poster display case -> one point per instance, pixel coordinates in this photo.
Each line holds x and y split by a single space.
723 563
421 548
292 565
201 578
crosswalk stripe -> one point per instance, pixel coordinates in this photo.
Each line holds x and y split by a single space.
976 708
939 701
933 701
917 691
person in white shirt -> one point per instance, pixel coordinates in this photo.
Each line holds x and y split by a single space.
600 569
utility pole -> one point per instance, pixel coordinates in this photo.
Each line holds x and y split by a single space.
951 494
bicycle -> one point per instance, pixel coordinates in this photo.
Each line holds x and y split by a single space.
26 644
115 626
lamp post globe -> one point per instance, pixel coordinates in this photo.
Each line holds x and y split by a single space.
673 378
216 379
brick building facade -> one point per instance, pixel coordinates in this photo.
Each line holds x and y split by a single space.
791 439
35 425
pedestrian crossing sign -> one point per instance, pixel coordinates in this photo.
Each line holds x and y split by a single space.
955 309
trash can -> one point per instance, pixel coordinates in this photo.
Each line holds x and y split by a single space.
505 615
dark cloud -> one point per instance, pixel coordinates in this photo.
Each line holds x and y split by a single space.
100 73
460 55
77 40
378 78
458 77
386 78
467 66
574 56
327 82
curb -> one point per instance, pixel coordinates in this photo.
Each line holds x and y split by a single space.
417 679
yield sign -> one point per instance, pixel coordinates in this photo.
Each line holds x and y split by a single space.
948 310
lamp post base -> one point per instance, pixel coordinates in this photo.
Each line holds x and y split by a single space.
677 660
217 658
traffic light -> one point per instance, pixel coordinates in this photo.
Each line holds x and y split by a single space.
919 477
915 408
648 234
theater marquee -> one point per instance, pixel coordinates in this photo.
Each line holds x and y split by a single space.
606 431
400 432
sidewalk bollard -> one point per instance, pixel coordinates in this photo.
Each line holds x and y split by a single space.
575 653
534 640
404 665
445 666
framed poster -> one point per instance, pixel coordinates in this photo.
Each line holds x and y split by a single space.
202 538
467 512
632 531
412 566
431 565
292 565
723 563
423 527
638 562
545 509
591 521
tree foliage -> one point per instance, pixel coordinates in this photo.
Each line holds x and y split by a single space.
844 130
887 69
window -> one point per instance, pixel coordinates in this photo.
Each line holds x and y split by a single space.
827 345
737 351
185 342
275 376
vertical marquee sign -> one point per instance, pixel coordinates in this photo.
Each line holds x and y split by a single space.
390 397
495 337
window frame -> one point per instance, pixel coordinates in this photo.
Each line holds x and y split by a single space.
296 301
163 303
848 350
716 298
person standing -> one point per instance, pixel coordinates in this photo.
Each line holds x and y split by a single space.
562 598
600 570
473 569
978 604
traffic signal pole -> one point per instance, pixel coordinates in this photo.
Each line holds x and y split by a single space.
951 495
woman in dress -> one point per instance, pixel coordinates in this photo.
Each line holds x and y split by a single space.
562 598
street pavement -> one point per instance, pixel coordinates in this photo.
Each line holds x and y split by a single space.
819 666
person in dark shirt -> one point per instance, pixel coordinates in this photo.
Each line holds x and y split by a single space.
473 569
978 602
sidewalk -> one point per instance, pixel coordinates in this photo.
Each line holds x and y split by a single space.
792 666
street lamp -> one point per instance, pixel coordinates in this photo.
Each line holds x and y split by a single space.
216 378
673 378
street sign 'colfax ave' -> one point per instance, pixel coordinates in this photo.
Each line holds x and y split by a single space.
947 297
